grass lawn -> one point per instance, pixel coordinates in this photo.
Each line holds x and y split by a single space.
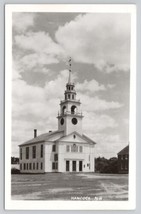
69 186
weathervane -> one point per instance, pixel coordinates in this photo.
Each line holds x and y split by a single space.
69 80
70 64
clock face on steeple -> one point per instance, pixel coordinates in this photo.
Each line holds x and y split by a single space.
74 121
62 121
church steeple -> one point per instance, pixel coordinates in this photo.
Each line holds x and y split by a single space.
70 116
70 93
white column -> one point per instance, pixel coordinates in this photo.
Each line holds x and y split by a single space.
70 166
77 166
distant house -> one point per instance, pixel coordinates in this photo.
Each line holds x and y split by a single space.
123 160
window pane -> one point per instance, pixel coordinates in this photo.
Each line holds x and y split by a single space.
54 148
30 166
34 152
27 152
67 148
41 151
56 157
21 153
81 148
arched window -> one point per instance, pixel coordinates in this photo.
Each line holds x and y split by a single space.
73 109
64 109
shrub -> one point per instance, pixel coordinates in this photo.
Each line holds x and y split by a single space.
15 171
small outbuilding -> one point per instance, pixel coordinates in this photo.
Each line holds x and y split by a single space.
123 160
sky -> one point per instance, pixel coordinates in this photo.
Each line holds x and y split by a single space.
99 45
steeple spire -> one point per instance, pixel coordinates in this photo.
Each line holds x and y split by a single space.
69 80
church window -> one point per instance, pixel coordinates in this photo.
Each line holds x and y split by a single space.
73 96
55 157
67 148
73 109
62 121
41 150
27 166
21 153
27 152
54 148
33 151
74 148
20 166
74 136
33 165
64 109
80 148
30 166
68 96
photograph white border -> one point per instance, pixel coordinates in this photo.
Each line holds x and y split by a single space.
69 205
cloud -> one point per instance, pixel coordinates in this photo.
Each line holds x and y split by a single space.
90 86
36 49
22 21
39 42
108 145
37 59
95 103
93 123
100 39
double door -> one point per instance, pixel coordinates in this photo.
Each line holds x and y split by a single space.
74 166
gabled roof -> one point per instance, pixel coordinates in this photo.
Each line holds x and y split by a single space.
42 138
88 139
83 137
124 151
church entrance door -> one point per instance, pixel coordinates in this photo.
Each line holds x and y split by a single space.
80 166
74 166
67 166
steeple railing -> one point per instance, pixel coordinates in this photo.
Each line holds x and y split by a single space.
70 113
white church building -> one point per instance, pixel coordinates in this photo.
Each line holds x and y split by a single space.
64 150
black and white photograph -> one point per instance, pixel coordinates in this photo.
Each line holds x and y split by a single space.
70 85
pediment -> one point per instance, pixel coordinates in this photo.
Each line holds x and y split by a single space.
74 137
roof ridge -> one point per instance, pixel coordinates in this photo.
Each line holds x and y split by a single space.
40 138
